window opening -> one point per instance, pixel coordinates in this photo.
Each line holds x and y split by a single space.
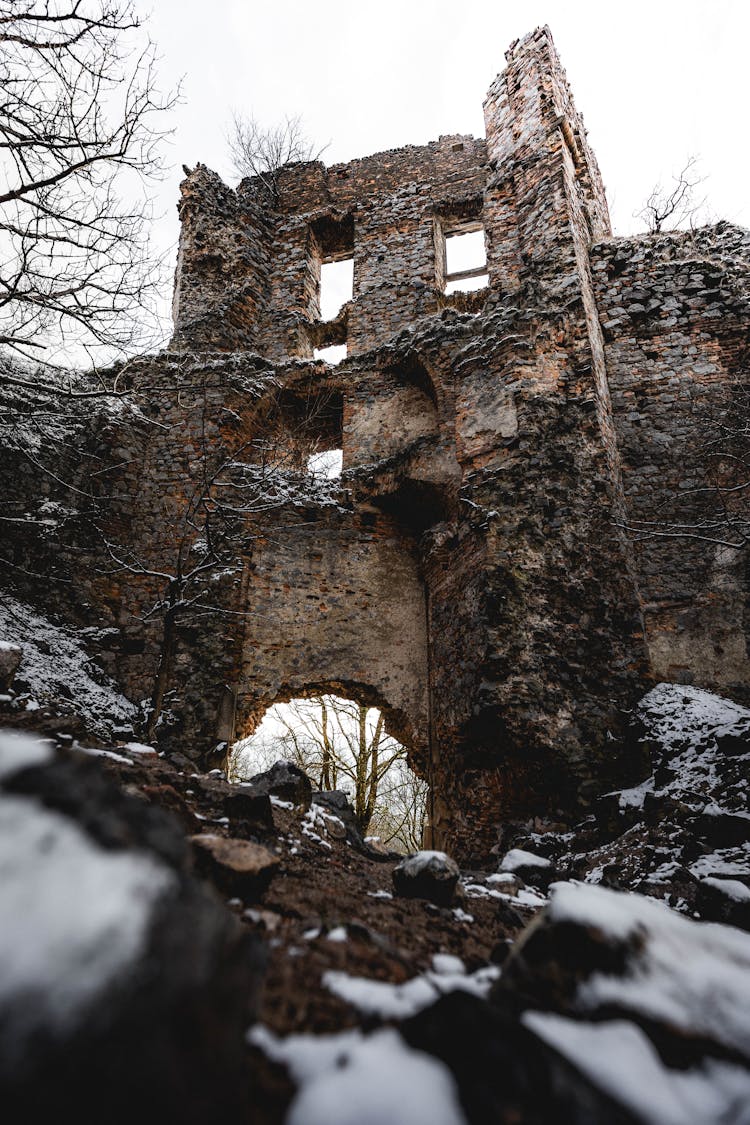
336 286
465 261
342 744
332 354
326 464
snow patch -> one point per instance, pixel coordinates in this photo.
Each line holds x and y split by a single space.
352 1079
20 751
618 1058
693 976
56 667
400 1001
75 916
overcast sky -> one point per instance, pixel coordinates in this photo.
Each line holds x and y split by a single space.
656 81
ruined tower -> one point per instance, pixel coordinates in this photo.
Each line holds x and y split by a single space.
474 572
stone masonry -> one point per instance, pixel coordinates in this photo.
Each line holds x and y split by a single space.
480 570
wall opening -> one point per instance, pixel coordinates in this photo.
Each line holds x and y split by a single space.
333 354
465 259
325 464
341 743
336 286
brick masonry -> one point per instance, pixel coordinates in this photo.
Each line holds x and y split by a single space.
480 571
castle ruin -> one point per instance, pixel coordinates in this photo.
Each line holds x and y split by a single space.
478 571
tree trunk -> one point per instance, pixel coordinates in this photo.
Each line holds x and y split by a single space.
360 795
325 777
164 671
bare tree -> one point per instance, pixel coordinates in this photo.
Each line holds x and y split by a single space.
263 152
342 743
80 134
666 209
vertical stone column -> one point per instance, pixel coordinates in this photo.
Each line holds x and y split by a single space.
540 161
221 282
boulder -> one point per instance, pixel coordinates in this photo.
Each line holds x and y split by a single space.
427 874
722 828
286 781
237 867
336 802
238 802
533 869
724 900
611 1007
125 985
11 656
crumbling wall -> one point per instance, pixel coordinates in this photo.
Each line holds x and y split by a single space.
480 570
674 309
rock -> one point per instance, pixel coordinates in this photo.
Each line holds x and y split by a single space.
724 900
238 802
285 781
11 656
597 954
503 1072
125 984
427 874
531 868
335 801
723 829
506 882
238 867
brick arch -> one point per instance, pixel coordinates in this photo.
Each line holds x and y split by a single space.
397 723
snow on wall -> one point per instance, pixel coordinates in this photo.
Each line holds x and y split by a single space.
55 666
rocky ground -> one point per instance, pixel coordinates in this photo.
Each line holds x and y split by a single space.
174 945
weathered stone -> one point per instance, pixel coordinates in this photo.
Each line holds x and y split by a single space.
126 984
10 660
724 900
507 453
429 874
238 867
238 802
530 868
285 781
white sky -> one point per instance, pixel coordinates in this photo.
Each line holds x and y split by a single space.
656 81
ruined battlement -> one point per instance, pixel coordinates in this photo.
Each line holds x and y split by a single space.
249 267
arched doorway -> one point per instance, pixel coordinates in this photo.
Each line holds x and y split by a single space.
342 743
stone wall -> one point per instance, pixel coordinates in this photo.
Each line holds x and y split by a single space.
674 309
481 569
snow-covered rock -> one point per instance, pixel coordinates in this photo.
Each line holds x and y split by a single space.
427 874
286 781
669 999
531 868
118 969
20 751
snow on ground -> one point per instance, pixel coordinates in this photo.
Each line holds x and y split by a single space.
693 976
356 1079
21 752
75 917
619 1059
56 667
400 1001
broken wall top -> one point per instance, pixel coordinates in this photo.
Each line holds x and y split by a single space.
249 266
